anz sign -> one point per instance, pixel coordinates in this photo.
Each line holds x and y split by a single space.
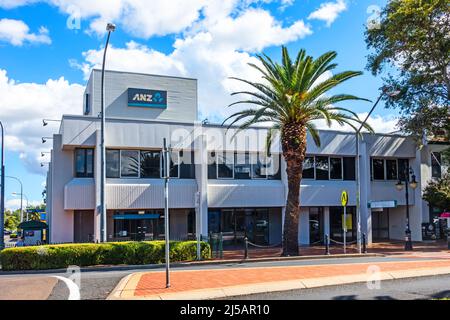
147 98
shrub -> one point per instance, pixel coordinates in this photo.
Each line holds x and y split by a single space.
114 253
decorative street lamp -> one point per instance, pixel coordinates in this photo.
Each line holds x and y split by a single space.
407 182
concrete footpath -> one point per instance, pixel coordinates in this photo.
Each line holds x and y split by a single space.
222 283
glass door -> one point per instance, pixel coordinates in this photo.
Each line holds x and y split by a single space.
315 225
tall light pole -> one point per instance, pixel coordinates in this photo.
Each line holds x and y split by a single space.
21 198
103 222
2 195
391 93
413 184
22 195
166 164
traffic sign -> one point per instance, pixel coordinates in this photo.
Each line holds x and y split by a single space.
344 198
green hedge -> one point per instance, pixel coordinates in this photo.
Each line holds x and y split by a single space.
113 253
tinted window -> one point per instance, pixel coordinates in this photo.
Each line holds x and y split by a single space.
187 165
436 169
212 165
225 165
112 163
378 169
274 167
84 163
403 165
150 164
336 168
322 168
242 166
391 170
129 164
308 168
349 169
260 165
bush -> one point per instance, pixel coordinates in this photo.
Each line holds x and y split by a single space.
114 253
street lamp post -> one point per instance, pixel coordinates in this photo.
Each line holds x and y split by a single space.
21 198
413 184
166 164
2 195
103 223
391 93
22 195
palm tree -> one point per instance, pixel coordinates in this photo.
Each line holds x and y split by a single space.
291 97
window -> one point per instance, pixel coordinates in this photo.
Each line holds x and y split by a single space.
84 163
349 168
378 169
129 164
113 163
212 165
150 164
87 104
242 166
260 165
335 168
322 168
308 168
187 165
403 165
274 167
391 170
436 168
225 168
174 164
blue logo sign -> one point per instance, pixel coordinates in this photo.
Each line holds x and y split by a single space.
147 98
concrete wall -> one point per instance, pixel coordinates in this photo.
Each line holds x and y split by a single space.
181 96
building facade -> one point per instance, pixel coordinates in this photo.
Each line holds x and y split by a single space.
220 182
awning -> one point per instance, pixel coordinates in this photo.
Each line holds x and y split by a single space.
445 215
33 225
149 216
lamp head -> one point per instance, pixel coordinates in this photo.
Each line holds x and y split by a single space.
391 92
413 184
44 123
44 140
399 185
110 27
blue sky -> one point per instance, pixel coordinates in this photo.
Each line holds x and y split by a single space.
45 58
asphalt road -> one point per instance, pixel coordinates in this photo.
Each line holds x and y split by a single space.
423 288
97 284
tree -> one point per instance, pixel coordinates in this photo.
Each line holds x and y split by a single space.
412 43
437 193
291 98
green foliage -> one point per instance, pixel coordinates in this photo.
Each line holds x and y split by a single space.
412 43
437 193
293 93
117 253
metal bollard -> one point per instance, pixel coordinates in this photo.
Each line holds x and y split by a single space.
246 248
327 245
364 244
221 246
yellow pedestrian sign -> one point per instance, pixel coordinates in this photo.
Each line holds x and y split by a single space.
344 198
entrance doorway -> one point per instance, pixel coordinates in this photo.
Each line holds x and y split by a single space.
380 225
315 225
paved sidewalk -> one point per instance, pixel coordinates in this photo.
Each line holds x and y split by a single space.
36 288
221 283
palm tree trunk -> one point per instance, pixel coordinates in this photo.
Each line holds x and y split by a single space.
294 151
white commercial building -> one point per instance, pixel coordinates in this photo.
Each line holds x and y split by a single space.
218 184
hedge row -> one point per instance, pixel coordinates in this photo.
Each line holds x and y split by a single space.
126 253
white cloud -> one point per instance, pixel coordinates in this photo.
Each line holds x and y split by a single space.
14 204
380 124
329 11
24 105
17 33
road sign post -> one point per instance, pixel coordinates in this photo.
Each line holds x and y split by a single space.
344 201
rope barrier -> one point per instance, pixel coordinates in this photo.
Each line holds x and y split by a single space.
341 243
264 247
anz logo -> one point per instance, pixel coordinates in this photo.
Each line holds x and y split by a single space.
147 98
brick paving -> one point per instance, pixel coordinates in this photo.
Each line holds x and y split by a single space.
153 283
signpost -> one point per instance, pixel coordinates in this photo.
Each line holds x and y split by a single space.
344 201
